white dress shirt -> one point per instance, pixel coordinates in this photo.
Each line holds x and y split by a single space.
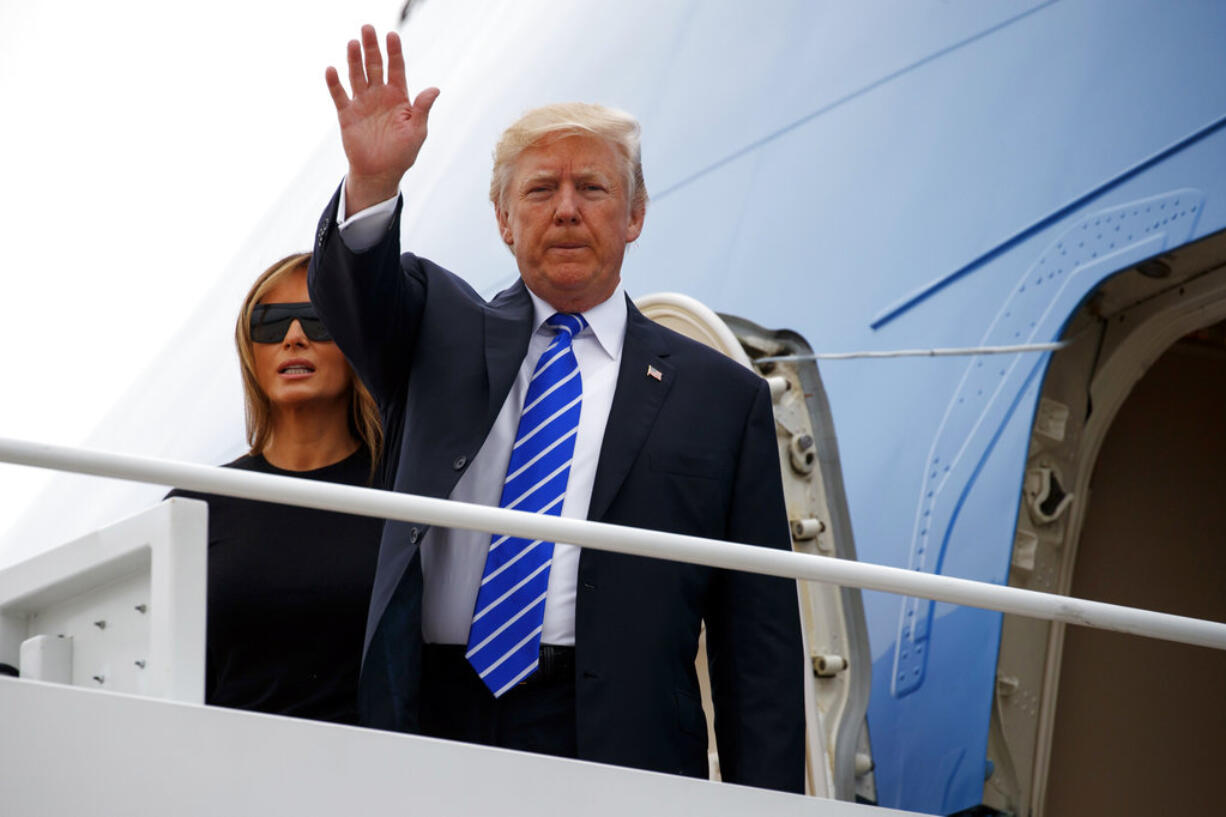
452 559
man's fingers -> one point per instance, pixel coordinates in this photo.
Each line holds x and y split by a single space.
395 63
424 102
374 59
357 76
339 97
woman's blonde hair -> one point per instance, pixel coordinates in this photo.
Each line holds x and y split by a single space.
551 122
364 422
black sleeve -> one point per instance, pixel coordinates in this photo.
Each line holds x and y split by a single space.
754 643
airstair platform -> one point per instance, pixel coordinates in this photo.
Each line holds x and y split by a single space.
68 750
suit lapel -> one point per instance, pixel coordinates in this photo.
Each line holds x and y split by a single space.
636 402
508 328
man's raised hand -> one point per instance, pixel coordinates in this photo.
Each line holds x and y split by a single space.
382 131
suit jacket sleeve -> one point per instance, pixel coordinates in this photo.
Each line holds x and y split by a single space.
371 302
753 629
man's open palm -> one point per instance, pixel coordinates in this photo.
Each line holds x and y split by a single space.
381 129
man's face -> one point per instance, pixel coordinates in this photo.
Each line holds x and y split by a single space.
567 217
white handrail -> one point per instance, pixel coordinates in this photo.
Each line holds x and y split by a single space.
636 541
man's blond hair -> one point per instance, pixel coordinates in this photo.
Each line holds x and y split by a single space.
552 122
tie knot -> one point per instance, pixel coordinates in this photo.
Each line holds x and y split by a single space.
566 322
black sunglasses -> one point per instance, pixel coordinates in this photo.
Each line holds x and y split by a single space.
271 322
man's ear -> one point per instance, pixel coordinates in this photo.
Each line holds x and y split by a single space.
504 226
637 213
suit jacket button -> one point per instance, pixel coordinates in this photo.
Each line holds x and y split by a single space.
460 462
414 535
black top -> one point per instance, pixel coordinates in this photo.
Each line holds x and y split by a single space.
288 591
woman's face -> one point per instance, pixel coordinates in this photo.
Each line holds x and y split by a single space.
298 371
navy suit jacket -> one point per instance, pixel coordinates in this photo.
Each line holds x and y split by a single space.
693 452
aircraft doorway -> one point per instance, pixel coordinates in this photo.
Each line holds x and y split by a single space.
1123 501
1140 722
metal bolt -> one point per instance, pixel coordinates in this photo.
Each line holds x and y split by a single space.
101 625
100 679
803 529
778 386
1007 685
142 608
140 662
828 666
802 453
864 763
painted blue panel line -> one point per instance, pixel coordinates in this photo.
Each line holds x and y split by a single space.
1039 365
1038 306
927 291
916 615
770 137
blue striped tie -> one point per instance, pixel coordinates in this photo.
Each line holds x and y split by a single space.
505 638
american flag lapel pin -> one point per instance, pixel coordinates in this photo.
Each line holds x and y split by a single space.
653 372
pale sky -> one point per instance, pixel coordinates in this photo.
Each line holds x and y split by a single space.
140 143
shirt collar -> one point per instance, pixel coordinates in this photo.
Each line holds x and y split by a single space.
606 320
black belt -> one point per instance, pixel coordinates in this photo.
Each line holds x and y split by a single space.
556 663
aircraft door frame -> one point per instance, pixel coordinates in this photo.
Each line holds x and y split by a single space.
1119 332
837 659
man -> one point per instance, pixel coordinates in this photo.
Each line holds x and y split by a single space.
558 396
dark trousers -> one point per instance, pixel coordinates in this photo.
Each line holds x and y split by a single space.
537 715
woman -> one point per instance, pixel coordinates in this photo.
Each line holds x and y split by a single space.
288 587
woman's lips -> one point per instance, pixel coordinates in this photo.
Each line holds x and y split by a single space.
294 369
